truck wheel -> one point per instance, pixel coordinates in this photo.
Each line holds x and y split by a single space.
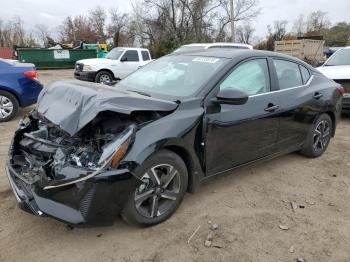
8 106
103 77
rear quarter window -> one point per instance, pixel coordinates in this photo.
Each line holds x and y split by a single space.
145 55
288 74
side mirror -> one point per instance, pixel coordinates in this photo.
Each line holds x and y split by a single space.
123 59
231 96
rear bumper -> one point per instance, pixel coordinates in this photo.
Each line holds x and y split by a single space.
31 90
85 76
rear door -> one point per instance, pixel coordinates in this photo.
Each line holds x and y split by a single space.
237 134
300 102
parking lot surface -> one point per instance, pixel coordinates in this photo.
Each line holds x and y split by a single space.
286 209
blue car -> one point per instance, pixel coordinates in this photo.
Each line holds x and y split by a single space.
19 87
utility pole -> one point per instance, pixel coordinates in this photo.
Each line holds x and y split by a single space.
232 12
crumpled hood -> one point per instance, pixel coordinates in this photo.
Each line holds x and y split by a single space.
72 104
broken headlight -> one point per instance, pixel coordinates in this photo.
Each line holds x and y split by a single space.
114 151
111 155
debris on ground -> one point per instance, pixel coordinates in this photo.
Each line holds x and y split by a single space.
300 259
283 227
207 243
210 237
294 206
291 249
310 202
218 244
189 239
214 227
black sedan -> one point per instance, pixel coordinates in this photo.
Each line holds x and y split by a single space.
90 152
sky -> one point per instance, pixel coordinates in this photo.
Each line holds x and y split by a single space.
52 12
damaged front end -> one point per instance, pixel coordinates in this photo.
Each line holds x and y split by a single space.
74 178
66 159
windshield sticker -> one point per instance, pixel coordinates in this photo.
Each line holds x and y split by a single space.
206 60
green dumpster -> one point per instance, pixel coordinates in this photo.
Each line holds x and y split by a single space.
54 58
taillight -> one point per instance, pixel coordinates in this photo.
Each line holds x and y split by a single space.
341 90
31 74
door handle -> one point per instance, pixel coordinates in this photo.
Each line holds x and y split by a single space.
317 95
271 108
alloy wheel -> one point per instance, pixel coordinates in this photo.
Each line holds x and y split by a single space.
322 135
158 192
6 107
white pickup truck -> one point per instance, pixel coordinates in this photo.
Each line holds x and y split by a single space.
119 63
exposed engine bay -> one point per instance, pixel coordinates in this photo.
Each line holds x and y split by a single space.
44 151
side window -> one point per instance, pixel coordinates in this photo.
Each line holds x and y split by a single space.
252 77
288 74
130 56
305 74
145 55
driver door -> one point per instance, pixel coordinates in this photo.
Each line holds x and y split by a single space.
129 62
237 134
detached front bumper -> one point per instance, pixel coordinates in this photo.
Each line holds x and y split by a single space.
85 76
96 201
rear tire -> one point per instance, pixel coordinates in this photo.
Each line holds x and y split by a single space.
319 137
165 179
9 106
103 77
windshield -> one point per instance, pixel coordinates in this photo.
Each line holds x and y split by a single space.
115 53
341 57
177 76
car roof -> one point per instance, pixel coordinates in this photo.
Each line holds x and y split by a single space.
240 54
218 44
132 48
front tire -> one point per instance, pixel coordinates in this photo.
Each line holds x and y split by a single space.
9 106
319 136
103 77
164 183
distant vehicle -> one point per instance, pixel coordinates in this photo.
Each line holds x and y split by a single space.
337 67
119 63
308 50
203 46
19 87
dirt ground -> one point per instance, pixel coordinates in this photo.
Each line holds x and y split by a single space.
252 208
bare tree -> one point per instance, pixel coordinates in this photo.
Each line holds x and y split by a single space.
317 21
245 33
299 27
119 25
13 33
42 33
243 10
97 19
279 29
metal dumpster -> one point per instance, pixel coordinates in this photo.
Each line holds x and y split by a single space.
53 58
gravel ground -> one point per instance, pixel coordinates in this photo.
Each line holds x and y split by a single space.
252 208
